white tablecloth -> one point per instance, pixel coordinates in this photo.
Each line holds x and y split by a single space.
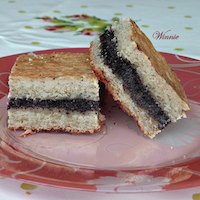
172 26
22 31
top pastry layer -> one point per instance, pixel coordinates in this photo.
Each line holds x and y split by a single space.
54 65
53 76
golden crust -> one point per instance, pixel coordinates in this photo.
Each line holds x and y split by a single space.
54 65
158 62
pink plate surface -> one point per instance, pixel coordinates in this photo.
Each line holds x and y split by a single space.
119 158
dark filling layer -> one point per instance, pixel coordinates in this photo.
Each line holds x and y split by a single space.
81 105
131 80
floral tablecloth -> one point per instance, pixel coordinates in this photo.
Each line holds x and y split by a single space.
172 26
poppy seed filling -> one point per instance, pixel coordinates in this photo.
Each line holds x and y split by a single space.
132 83
81 105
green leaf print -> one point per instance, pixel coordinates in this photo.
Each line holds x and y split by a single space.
81 24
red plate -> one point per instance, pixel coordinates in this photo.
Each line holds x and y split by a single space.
120 158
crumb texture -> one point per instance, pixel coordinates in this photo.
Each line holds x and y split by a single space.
54 119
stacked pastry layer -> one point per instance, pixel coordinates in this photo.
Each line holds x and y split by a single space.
138 77
56 91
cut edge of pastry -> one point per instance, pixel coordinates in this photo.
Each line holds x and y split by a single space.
153 70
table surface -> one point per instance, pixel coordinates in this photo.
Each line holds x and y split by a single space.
172 26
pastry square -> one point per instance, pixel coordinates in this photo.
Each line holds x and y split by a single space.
138 77
54 92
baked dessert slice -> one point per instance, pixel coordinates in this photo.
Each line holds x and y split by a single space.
138 77
57 92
